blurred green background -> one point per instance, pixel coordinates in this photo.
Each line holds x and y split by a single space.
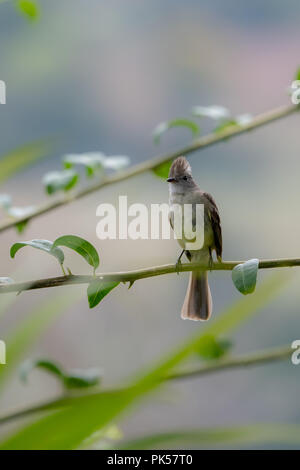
99 76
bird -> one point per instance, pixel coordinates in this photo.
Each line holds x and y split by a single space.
184 190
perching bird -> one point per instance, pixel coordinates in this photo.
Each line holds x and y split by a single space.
184 190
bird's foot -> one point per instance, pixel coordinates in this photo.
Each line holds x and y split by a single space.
178 263
178 266
210 262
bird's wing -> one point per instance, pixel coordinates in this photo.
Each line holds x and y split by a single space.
214 216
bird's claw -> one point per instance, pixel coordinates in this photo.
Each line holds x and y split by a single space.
178 266
210 263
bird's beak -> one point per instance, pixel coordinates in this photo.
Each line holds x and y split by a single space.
171 180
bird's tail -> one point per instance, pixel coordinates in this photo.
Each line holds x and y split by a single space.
198 302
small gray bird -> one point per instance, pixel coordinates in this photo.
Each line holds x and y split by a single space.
184 190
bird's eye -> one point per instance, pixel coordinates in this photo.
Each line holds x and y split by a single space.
185 178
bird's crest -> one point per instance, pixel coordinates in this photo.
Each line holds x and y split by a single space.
180 167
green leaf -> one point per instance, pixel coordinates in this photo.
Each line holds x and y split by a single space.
74 419
241 120
92 161
164 126
213 348
60 181
78 378
297 74
16 212
244 276
213 112
97 290
163 169
20 226
44 245
28 8
226 125
81 246
6 280
73 379
31 364
21 157
95 162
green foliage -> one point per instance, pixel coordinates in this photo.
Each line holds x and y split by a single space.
20 158
218 113
163 169
28 8
244 276
16 212
70 380
44 245
297 74
103 439
60 181
35 323
20 226
226 125
97 290
212 437
46 364
78 244
75 419
213 348
93 162
96 162
164 126
81 246
82 378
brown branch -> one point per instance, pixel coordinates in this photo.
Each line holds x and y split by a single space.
150 164
132 276
256 358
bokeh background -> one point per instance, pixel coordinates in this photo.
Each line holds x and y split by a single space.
99 76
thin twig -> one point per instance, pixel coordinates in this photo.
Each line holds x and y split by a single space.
132 276
271 355
150 164
256 358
